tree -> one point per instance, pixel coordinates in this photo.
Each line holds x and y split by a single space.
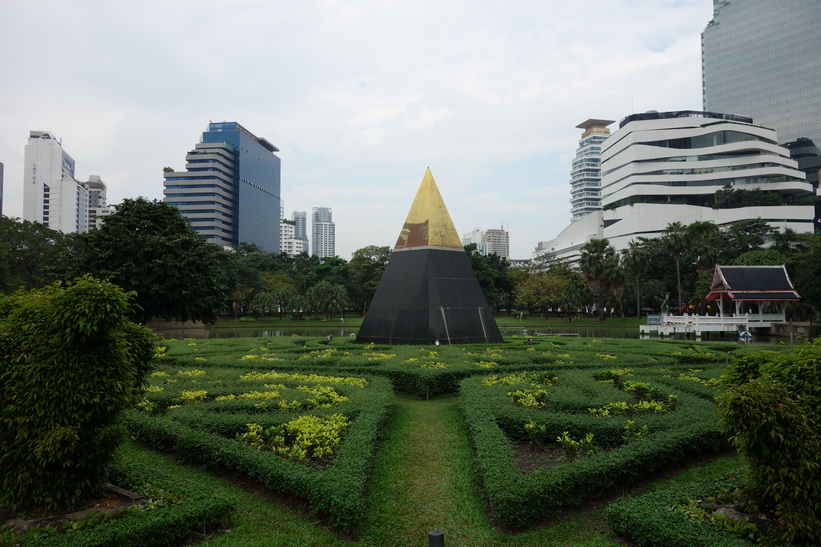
366 268
674 237
491 272
617 278
632 259
540 290
327 299
597 262
71 362
29 251
748 235
149 248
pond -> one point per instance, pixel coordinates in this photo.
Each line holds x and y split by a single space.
584 331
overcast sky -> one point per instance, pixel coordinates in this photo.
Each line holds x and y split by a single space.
359 96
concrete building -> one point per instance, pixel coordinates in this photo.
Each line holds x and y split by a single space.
492 241
230 189
288 242
98 207
323 232
663 167
300 219
761 59
51 193
585 174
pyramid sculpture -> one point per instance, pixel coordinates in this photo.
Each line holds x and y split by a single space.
429 293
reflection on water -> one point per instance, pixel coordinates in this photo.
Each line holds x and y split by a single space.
589 332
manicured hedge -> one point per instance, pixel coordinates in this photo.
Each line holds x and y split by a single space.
430 371
194 512
649 519
204 433
496 424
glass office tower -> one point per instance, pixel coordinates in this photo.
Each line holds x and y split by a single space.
231 188
761 58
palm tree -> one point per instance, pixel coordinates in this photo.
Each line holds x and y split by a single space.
674 237
597 264
328 299
616 277
632 259
783 242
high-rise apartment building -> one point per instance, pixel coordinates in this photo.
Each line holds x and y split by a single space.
98 207
230 190
323 233
300 219
51 194
585 173
492 241
761 59
289 243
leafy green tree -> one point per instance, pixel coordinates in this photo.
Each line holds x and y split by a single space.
748 235
491 272
70 362
29 252
149 248
598 262
332 269
366 268
540 291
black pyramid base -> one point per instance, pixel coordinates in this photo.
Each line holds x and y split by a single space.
429 296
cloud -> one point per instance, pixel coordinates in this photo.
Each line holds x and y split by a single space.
360 96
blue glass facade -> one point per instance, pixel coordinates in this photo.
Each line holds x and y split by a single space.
256 185
230 189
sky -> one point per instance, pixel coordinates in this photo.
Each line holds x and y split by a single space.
360 96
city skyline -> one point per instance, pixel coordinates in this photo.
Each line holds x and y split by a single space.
489 100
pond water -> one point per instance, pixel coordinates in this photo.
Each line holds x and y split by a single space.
585 331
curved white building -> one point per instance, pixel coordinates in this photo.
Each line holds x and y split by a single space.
663 167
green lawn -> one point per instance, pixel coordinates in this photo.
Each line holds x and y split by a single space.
353 321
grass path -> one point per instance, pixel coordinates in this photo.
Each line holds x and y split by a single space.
424 479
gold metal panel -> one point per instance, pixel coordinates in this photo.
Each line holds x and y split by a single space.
428 223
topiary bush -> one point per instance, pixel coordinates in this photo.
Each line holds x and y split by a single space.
771 409
70 361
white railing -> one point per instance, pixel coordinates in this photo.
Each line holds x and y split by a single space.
747 320
706 321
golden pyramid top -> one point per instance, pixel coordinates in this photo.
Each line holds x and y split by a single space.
428 223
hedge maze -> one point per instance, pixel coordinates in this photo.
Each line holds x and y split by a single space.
553 421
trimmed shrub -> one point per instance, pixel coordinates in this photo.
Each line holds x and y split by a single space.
649 519
71 361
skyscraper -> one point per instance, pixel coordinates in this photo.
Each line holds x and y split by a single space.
300 219
323 232
51 194
585 174
231 187
761 59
